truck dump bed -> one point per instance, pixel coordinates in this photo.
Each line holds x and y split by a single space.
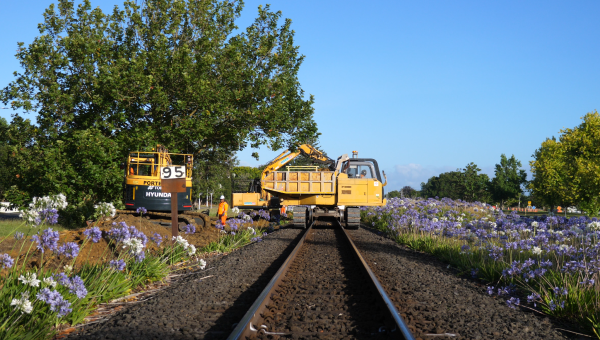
298 182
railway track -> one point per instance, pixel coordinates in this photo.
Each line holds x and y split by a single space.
324 290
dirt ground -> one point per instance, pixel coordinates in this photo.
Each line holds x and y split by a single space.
101 252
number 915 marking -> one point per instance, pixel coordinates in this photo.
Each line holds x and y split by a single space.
169 172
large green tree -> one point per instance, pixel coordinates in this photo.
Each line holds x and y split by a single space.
174 72
549 174
508 180
567 171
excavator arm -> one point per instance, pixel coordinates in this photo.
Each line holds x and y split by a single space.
287 156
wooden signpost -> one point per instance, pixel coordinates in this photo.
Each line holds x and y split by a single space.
172 180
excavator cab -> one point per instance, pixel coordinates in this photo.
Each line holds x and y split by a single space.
361 169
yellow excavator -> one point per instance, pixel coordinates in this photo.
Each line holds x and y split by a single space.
142 185
338 190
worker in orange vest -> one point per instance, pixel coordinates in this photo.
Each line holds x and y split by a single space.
222 211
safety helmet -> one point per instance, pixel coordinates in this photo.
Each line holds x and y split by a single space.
222 197
364 172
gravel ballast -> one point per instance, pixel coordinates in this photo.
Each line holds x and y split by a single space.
325 295
433 300
201 307
431 297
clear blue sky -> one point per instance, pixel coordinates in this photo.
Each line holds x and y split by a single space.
422 86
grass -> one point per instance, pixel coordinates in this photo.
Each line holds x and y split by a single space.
9 225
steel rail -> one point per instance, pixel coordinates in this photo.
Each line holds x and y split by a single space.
249 326
400 324
245 327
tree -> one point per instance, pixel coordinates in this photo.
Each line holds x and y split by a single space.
173 72
474 185
466 184
508 179
393 193
550 174
447 184
408 191
572 165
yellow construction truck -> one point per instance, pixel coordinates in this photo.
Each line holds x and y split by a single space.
334 189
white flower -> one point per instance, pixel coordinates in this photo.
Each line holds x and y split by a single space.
202 264
444 218
484 219
49 281
191 250
502 233
534 224
183 242
23 304
235 210
492 225
494 232
526 230
30 279
457 224
247 218
559 232
105 209
564 247
68 268
135 245
459 219
594 226
537 250
434 220
463 215
30 214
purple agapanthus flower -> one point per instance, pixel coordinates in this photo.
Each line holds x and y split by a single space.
6 261
75 284
69 250
513 302
56 301
141 210
119 234
118 265
49 215
157 238
62 278
19 235
94 233
48 239
139 257
189 229
256 239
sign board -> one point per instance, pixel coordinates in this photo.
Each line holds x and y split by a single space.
170 172
173 181
173 185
